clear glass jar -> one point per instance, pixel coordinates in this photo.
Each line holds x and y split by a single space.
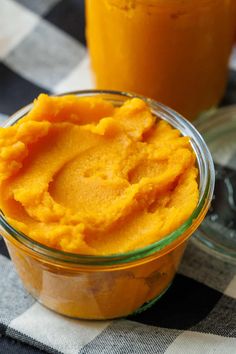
105 287
217 234
174 51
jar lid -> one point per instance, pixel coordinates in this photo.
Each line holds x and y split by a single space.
217 233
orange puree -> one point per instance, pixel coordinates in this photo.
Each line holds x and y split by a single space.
175 51
84 176
79 175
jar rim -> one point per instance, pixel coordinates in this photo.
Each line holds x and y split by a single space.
206 188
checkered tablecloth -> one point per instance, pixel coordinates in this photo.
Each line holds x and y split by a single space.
42 49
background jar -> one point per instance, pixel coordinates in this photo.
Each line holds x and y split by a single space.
175 51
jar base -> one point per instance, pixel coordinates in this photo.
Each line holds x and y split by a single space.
141 309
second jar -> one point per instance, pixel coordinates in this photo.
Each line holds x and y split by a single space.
175 51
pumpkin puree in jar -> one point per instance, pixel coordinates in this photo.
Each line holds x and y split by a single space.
175 51
83 176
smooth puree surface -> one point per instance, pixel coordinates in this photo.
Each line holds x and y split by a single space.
83 176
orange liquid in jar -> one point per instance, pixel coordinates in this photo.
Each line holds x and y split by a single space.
175 51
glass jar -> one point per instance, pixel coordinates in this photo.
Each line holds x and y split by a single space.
174 51
217 234
105 287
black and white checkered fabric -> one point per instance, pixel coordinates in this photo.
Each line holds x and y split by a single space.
42 49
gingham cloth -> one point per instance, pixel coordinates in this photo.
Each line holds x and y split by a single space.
42 49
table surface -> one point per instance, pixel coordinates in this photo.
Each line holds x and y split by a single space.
198 313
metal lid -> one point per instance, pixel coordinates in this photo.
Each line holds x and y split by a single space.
217 233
